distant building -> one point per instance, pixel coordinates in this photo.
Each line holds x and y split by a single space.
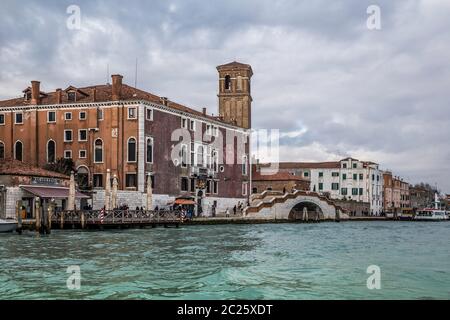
396 193
281 181
421 196
348 179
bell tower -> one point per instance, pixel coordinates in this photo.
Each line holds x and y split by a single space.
235 100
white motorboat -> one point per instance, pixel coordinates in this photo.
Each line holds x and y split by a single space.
8 225
432 214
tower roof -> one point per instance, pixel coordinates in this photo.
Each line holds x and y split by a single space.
234 65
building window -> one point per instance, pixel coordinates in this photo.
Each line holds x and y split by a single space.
320 174
192 153
215 187
82 154
200 156
244 188
320 186
361 176
2 119
192 125
2 150
18 151
68 116
208 130
67 135
208 187
355 176
344 165
360 191
192 185
51 117
132 150
244 166
355 165
130 180
184 184
227 82
335 174
98 151
149 151
71 96
98 180
184 123
51 151
19 118
100 114
132 113
344 191
67 154
344 176
82 135
335 186
184 156
82 115
149 114
306 174
354 191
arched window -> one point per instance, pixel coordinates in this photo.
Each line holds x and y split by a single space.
18 151
51 151
227 83
98 150
2 150
149 151
132 150
83 177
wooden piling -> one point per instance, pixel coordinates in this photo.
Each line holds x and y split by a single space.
83 221
38 215
48 224
61 221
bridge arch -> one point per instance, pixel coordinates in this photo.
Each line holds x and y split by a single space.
306 210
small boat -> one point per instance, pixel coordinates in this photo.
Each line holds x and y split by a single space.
7 225
437 213
431 215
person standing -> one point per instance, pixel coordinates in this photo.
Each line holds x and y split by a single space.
227 213
234 210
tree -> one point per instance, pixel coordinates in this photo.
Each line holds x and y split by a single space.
62 165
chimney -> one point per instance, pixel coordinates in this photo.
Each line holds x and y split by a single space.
204 111
94 94
58 96
35 92
164 101
116 87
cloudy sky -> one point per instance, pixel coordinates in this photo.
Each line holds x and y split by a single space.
334 87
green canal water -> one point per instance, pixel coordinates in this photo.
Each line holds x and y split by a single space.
273 261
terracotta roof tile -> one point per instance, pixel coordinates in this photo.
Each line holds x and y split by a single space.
103 93
279 176
308 165
14 167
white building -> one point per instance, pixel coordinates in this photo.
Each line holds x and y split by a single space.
348 179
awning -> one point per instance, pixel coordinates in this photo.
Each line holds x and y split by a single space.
184 202
52 192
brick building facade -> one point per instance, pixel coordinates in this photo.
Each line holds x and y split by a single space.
136 134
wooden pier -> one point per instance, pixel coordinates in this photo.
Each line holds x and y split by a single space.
100 219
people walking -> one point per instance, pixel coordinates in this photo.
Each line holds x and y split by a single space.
227 213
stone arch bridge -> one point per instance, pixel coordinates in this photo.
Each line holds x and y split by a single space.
296 206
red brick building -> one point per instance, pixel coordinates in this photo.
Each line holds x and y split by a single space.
137 134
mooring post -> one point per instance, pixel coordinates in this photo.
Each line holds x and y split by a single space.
83 221
48 227
19 216
61 222
38 215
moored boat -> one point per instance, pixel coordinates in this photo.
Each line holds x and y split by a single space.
8 225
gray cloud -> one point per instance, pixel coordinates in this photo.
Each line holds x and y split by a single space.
378 95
